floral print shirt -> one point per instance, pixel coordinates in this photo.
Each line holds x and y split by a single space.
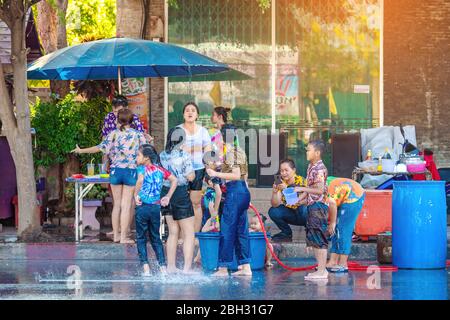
154 176
317 175
122 147
344 191
110 124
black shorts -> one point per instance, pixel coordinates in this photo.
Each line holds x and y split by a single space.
180 206
197 183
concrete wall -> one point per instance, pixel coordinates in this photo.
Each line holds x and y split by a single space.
417 71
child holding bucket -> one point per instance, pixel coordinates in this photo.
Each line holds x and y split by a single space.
211 200
317 221
234 222
211 203
148 204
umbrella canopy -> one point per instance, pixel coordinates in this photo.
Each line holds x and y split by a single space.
122 58
230 75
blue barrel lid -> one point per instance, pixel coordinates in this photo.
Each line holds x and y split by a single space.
419 183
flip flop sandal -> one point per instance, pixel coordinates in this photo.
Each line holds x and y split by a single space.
338 269
327 268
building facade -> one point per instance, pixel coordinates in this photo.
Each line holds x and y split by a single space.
316 67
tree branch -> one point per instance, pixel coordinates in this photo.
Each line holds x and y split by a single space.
9 121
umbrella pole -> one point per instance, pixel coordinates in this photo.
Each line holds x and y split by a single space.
120 81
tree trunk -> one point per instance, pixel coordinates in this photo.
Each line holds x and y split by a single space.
51 26
20 138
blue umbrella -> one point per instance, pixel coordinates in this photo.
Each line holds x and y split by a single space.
118 58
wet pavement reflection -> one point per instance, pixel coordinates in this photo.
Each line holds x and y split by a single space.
115 280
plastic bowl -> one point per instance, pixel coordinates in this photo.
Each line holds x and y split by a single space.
420 167
104 175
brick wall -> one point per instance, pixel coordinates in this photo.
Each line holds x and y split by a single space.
417 71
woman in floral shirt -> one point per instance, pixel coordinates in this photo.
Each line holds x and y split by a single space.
121 146
281 213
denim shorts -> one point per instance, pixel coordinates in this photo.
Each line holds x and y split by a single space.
180 206
125 176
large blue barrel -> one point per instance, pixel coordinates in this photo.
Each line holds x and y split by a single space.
419 225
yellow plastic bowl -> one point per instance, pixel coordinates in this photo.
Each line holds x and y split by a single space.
104 175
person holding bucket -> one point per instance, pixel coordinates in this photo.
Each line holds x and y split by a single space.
234 233
347 198
284 213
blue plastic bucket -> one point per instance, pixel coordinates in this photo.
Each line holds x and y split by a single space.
258 250
209 250
419 225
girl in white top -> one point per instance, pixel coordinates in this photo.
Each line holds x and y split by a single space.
198 142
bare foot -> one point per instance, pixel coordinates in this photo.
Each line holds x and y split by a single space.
163 270
242 273
173 270
126 241
198 259
146 270
318 275
117 238
222 272
190 272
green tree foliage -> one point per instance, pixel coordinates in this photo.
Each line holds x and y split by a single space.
90 20
61 125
